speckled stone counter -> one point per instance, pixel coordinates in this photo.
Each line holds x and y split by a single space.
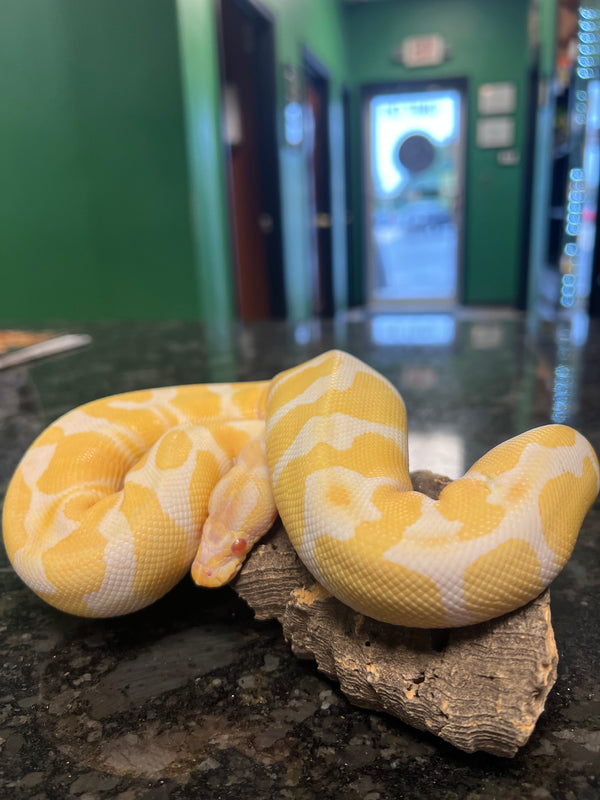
192 697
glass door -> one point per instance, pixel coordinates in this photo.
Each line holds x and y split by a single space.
415 143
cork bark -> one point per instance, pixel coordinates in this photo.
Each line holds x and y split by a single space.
480 688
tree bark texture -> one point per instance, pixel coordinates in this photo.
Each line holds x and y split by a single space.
480 688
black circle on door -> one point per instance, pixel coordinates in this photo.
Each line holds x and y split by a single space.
416 153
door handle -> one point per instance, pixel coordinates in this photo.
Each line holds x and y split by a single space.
265 222
323 221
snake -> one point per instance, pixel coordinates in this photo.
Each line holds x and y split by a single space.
118 499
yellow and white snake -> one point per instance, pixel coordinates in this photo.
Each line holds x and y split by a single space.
114 501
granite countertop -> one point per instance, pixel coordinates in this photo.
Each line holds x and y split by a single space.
192 697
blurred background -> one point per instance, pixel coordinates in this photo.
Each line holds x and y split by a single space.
257 159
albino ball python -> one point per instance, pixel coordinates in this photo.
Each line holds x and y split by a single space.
114 501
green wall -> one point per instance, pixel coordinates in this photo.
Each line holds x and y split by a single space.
114 199
94 218
488 41
114 187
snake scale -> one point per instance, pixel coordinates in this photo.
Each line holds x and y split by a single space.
113 503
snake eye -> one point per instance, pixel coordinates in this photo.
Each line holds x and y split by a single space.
238 547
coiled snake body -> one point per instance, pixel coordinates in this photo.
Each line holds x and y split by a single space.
115 500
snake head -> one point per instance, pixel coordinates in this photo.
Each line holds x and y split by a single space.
219 557
241 510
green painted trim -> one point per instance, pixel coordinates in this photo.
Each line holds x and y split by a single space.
208 186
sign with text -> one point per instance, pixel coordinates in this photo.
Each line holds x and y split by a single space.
422 51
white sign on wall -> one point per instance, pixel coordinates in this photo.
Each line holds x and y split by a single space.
495 132
497 98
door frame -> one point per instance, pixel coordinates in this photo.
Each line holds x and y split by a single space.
367 92
350 215
262 18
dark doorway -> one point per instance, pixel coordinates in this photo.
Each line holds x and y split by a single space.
348 174
595 287
248 101
317 147
528 179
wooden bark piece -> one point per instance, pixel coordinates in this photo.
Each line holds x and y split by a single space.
482 687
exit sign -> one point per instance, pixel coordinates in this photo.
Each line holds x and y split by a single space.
422 51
